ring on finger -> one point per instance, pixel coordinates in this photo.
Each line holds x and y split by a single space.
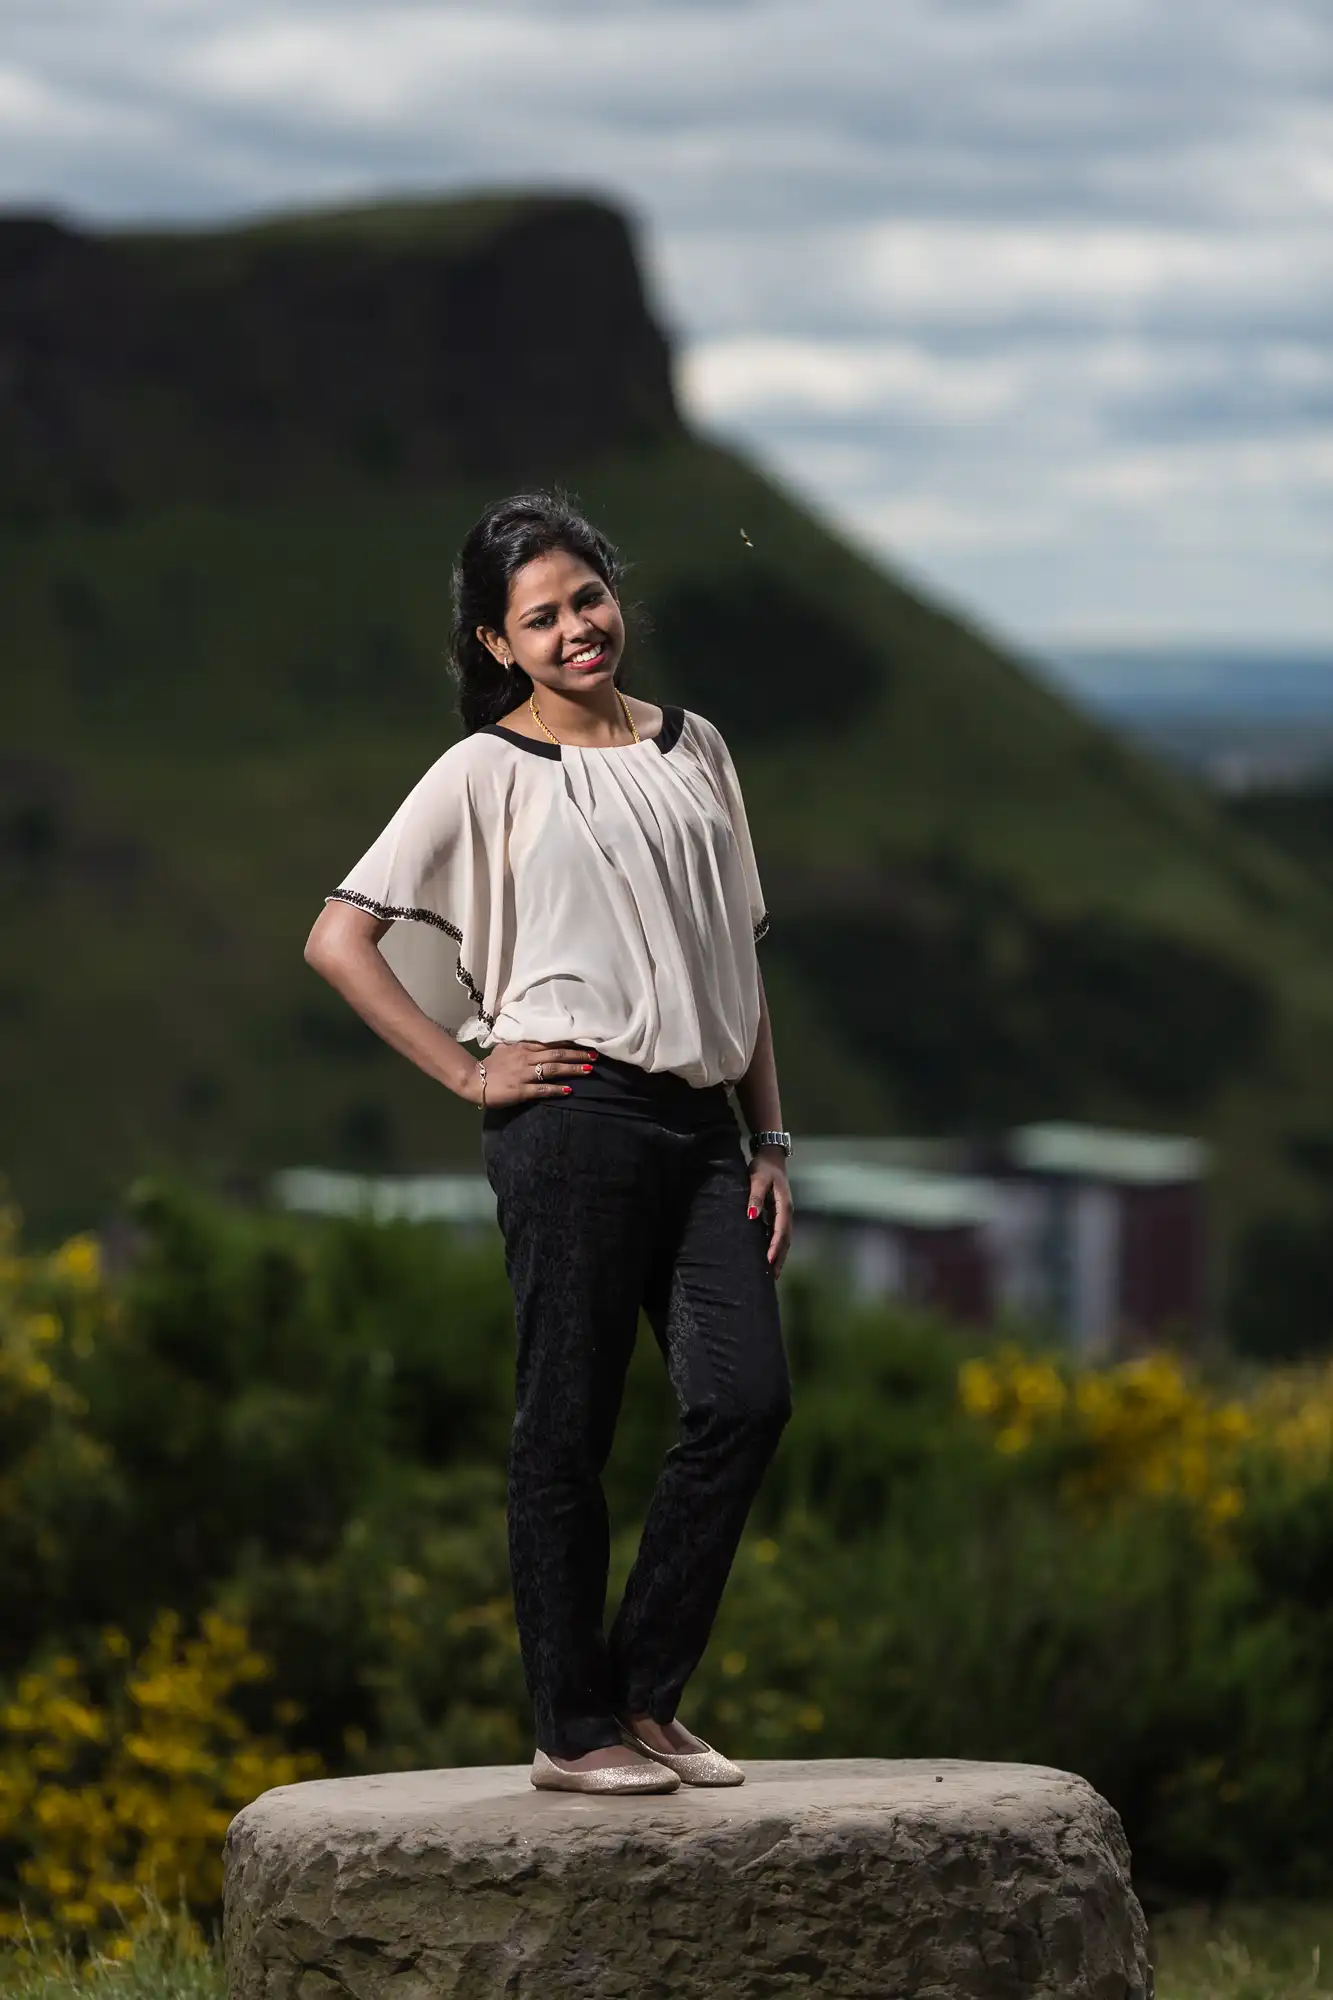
541 1071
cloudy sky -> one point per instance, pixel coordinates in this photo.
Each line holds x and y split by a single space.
1034 295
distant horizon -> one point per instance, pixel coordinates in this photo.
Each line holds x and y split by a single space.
1316 652
1237 683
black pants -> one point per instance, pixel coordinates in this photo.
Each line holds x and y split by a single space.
630 1198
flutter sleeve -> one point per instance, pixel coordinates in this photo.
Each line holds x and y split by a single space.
729 788
437 875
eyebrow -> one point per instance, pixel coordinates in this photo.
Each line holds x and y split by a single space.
531 610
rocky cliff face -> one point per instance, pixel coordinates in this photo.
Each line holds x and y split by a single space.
401 346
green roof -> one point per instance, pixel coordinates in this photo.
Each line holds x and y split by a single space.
1091 1152
918 1199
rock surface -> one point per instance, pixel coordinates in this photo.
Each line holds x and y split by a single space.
904 1880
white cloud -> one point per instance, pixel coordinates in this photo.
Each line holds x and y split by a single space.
25 104
726 379
1197 472
942 275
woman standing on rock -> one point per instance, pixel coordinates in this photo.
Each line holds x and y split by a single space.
572 888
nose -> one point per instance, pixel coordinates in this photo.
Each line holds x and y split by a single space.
576 629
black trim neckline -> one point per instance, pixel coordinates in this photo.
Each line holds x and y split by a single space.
673 721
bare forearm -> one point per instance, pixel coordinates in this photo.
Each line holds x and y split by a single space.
757 1090
356 970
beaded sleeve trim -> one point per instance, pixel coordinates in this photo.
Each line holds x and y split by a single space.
390 915
761 928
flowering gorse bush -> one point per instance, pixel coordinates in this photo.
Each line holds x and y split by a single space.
1138 1429
1291 1410
1147 1429
120 1765
118 1781
55 1468
49 1310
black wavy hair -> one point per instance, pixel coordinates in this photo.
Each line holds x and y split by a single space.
508 535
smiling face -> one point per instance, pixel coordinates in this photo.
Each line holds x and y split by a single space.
563 625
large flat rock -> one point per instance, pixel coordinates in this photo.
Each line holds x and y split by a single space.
904 1880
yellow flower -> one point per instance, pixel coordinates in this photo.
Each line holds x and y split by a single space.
107 1804
1142 1427
78 1259
1038 1389
979 1388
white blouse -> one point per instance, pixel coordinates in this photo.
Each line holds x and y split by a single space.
546 892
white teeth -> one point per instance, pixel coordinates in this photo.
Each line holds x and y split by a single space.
588 653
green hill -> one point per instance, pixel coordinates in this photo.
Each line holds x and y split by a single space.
233 468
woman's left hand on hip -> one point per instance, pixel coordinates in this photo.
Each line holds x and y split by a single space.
768 1176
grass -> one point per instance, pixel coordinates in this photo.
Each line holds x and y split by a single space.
168 1961
1264 1951
1245 1952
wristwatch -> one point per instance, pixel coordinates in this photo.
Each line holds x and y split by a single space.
758 1139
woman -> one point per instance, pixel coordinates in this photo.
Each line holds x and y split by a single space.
572 888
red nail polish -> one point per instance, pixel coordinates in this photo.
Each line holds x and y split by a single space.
752 1213
568 1088
587 1069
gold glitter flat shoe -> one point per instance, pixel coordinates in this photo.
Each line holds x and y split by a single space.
692 1767
645 1776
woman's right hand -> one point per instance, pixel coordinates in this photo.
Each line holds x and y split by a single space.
511 1071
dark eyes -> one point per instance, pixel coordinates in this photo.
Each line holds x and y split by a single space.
592 594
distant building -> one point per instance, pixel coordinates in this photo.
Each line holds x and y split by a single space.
1124 1237
898 1231
1100 1234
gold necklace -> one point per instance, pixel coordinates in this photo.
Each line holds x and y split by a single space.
532 704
